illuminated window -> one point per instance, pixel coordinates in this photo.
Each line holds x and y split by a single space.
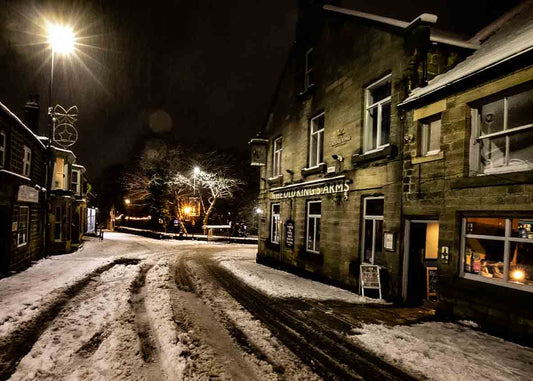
275 223
377 115
59 175
3 145
314 215
276 157
502 134
430 136
26 162
23 226
316 135
498 250
372 228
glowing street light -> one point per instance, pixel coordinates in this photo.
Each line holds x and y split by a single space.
61 39
127 201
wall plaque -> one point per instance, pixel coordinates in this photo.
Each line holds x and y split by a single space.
28 194
289 233
340 138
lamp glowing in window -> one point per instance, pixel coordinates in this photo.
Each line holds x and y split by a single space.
518 275
187 210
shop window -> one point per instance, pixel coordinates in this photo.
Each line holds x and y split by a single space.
314 212
502 134
26 162
276 157
377 115
3 146
23 226
316 148
75 186
430 136
372 228
308 74
275 223
498 250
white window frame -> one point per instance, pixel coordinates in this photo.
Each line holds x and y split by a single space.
275 224
368 121
372 219
76 184
315 217
425 131
277 149
22 236
26 162
476 139
308 70
316 161
3 149
507 239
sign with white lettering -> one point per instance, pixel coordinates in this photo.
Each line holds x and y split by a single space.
340 138
313 190
370 278
289 233
28 194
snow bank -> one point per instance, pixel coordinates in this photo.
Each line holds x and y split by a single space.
447 351
282 284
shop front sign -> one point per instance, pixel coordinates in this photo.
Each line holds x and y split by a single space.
289 233
28 194
306 190
370 278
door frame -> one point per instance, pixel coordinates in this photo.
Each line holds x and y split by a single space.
406 248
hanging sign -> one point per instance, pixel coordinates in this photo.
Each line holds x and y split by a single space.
370 278
28 194
258 152
289 233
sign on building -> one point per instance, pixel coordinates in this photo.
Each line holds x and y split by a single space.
28 194
306 190
258 152
289 233
370 278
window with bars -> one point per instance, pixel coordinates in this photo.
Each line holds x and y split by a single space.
316 140
314 213
372 228
275 223
276 157
26 162
502 134
377 115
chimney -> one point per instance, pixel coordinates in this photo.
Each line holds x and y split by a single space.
31 113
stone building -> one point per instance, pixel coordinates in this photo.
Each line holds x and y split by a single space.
331 189
468 175
22 184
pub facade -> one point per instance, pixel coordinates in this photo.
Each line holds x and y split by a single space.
331 186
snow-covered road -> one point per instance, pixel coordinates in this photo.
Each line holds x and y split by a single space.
135 308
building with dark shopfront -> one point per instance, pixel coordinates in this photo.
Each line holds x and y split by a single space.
22 185
331 151
468 181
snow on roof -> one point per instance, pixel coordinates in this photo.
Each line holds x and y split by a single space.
12 115
436 36
513 39
68 152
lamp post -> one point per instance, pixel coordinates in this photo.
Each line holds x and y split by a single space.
61 40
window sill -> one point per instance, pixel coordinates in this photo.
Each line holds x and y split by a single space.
275 181
387 152
320 168
316 258
428 158
22 244
496 282
493 180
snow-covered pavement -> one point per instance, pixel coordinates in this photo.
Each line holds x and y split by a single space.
135 308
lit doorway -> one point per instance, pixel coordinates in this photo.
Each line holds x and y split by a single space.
421 246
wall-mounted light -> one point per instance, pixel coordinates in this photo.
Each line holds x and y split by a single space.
339 158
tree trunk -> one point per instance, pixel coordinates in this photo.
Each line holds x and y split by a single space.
208 213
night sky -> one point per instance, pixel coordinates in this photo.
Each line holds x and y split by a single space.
203 71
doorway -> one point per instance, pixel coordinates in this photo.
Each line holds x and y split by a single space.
420 258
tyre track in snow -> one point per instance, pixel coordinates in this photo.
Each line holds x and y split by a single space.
327 353
20 342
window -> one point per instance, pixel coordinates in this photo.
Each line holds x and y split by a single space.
498 250
59 175
372 228
377 115
308 75
316 149
314 211
58 224
502 131
276 157
76 182
23 225
275 223
430 136
26 162
3 145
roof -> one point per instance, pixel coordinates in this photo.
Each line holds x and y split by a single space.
62 150
512 39
436 35
16 118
